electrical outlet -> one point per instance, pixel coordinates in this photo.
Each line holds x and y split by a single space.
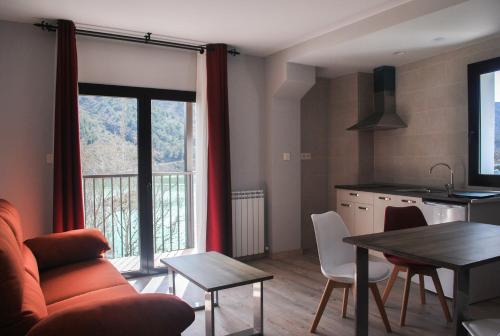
49 158
305 156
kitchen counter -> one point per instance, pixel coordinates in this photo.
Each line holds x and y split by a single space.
362 207
435 195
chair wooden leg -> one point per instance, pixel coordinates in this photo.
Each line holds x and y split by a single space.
406 293
422 288
322 304
344 303
380 305
390 283
440 294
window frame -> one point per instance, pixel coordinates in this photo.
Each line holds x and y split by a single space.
474 72
144 97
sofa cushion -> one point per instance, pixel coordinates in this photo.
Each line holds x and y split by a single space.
145 314
11 276
22 302
58 249
95 297
33 309
11 217
64 282
30 264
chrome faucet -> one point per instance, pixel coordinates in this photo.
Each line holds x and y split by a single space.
450 187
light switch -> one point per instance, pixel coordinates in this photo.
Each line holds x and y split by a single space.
49 158
286 156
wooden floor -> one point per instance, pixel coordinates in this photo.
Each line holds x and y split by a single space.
128 264
290 301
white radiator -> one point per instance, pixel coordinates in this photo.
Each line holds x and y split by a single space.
248 223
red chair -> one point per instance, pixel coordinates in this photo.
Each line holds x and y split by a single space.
398 218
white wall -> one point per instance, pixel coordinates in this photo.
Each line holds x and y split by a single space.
284 90
27 72
246 116
314 135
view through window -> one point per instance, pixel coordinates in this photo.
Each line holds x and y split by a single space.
109 134
490 123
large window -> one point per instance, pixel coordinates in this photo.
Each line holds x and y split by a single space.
484 123
137 154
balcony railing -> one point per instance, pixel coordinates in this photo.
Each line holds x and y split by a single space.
111 205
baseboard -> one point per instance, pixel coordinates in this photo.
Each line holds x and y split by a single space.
252 257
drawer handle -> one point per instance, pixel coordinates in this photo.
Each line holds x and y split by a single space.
363 208
408 201
384 198
345 205
354 194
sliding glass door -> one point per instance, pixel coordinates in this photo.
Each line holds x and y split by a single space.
136 151
171 158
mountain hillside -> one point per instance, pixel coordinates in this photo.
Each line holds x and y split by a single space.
108 135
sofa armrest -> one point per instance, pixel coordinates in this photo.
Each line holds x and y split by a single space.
142 314
58 249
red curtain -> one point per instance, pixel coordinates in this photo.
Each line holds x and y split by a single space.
68 197
219 231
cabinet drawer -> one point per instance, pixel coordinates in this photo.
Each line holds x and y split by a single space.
345 209
363 218
355 196
402 201
383 198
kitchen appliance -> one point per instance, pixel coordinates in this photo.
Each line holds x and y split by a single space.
436 213
384 117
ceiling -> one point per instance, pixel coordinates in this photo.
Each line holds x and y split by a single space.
412 40
258 27
337 36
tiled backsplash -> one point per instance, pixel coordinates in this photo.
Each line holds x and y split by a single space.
431 97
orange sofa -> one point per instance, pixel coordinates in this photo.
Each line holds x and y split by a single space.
60 284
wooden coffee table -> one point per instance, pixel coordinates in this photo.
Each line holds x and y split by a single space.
213 272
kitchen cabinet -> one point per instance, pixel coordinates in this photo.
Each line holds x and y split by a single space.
382 201
363 219
364 213
436 209
356 209
346 210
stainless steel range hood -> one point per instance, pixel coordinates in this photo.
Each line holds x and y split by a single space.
385 117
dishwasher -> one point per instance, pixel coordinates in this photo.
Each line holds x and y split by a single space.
436 213
480 290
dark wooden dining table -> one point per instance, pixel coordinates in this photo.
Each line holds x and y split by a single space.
458 246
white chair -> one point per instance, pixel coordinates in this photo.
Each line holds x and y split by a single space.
338 265
486 327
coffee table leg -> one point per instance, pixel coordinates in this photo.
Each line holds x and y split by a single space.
461 301
209 314
258 308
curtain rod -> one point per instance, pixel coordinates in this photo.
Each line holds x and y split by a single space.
44 25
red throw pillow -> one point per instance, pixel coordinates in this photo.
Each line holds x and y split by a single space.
58 249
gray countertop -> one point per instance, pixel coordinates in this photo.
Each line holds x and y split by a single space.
435 195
